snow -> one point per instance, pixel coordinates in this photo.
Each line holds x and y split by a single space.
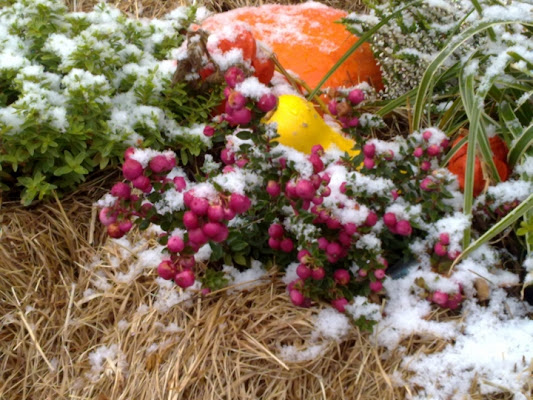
105 361
248 279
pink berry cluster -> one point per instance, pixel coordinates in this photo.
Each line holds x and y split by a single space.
118 217
400 227
450 301
373 158
237 107
431 147
344 107
442 257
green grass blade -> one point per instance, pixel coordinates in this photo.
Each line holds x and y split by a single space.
454 150
428 78
520 146
503 224
393 104
466 87
367 35
510 119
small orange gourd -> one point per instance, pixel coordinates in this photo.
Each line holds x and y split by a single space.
307 40
457 163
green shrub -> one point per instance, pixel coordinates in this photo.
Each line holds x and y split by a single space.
77 88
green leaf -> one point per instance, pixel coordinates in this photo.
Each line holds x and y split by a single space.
239 259
63 170
503 224
520 146
428 77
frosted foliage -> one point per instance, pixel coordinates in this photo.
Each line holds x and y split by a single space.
106 361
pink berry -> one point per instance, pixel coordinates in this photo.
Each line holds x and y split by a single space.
275 231
428 184
267 102
419 152
121 190
215 212
369 163
190 220
239 203
371 219
444 238
175 244
184 279
345 239
452 255
433 150
125 226
233 76
379 273
303 255
332 107
334 249
188 198
305 189
241 162
340 304
343 187
274 243
376 286
227 169
273 188
369 150
129 152
445 143
440 298
322 243
350 228
107 216
389 219
394 194
179 183
440 249
403 228
318 273
222 234
303 271
341 276
317 200
132 169
212 229
209 130
454 301
356 96
197 236
362 273
187 262
166 270
286 245
229 214
316 161
240 117
427 135
425 166
333 223
236 100
296 297
227 156
199 206
162 163
142 183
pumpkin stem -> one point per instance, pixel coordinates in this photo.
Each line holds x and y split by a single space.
297 83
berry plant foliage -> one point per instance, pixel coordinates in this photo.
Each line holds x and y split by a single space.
76 89
338 225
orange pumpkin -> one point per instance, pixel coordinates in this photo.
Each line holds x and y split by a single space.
457 163
307 40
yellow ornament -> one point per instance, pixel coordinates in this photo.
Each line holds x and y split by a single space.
299 126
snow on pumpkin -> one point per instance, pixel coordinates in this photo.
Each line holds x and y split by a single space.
307 40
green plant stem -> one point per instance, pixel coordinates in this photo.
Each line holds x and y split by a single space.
367 35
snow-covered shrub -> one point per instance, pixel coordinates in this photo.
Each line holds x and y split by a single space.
77 88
